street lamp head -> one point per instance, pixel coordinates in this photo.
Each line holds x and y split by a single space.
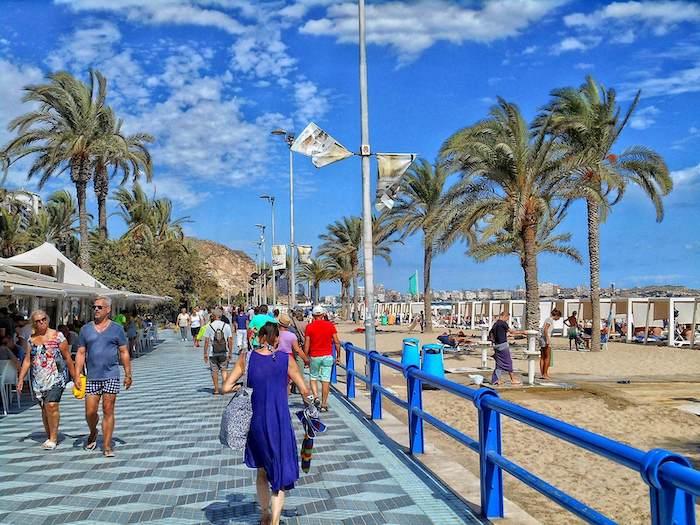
269 198
286 135
278 131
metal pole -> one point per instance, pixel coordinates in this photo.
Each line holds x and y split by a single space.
370 341
274 285
292 248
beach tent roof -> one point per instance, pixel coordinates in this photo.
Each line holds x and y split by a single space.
47 256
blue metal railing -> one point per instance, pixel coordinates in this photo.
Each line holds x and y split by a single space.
673 483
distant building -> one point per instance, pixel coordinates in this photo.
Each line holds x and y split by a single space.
483 295
548 290
501 295
24 203
519 293
468 295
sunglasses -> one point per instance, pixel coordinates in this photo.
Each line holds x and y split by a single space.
98 307
42 320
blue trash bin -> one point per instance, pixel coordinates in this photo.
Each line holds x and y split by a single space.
433 360
410 354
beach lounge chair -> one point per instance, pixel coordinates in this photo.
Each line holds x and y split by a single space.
680 341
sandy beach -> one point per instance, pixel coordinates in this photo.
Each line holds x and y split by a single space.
643 412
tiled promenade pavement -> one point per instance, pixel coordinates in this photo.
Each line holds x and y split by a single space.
170 468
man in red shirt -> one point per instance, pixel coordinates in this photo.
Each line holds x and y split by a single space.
318 345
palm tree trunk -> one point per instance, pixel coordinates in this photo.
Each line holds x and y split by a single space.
529 263
427 298
101 186
594 268
344 300
317 291
355 300
81 178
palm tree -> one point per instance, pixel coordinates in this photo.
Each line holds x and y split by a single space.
510 182
56 223
344 239
318 270
13 235
418 208
589 121
342 271
506 243
63 133
149 221
125 153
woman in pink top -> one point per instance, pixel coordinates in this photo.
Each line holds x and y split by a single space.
289 343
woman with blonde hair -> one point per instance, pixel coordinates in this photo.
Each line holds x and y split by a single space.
48 357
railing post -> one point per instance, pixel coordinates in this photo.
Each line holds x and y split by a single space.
490 474
349 371
669 505
415 400
375 381
334 369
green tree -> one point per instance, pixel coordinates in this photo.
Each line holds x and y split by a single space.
149 221
13 236
57 223
63 133
127 154
343 238
418 208
589 121
320 269
510 181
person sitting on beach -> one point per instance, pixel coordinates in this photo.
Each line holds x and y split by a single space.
453 340
499 336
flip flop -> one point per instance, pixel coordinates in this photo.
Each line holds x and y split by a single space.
108 453
91 445
49 445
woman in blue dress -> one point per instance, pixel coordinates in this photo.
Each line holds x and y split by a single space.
271 447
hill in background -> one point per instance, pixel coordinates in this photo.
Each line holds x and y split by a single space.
230 268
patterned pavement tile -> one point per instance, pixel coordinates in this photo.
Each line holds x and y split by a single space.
170 468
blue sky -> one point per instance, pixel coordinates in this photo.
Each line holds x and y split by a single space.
211 78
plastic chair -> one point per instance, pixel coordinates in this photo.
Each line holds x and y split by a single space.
8 377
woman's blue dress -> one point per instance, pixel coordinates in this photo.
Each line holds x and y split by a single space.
271 443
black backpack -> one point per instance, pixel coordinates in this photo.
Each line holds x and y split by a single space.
218 342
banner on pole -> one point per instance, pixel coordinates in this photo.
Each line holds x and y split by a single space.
320 146
279 256
304 251
391 167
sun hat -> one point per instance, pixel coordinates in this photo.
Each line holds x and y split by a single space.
284 320
318 310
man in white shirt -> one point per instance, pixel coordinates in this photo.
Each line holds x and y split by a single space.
218 348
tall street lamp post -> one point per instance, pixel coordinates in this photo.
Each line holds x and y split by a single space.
368 253
261 245
289 139
271 200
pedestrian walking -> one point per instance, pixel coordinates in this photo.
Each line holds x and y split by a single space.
183 323
241 321
318 345
257 322
271 446
102 345
504 362
48 357
546 343
218 347
195 325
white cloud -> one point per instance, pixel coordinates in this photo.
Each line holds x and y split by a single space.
262 54
644 118
581 43
14 78
687 176
411 28
529 50
157 12
674 83
310 101
177 189
660 16
626 37
583 66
